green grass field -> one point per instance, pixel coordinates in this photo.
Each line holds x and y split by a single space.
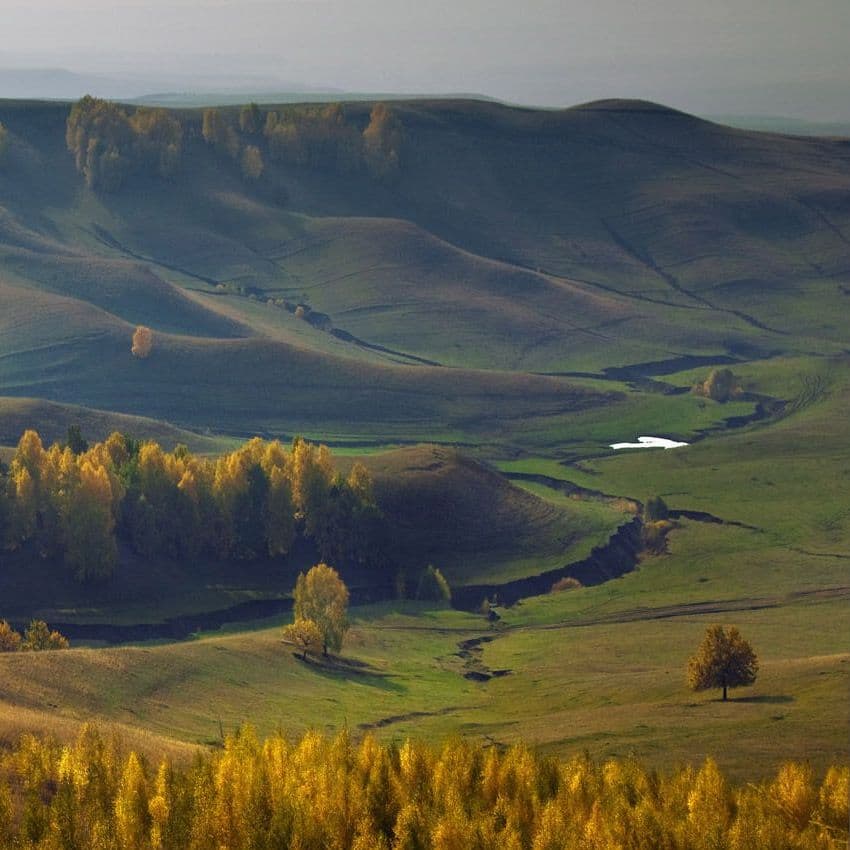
599 668
473 305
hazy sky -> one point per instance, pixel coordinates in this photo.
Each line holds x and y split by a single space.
708 56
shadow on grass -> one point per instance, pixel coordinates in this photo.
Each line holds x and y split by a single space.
767 699
349 669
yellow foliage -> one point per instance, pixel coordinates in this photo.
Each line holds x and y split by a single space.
89 522
22 522
159 808
331 793
322 597
305 634
30 454
10 640
142 342
246 503
280 521
252 163
834 802
709 806
131 806
794 793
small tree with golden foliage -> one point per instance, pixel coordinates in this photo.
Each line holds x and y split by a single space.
721 385
38 637
321 596
304 634
724 660
142 342
10 640
383 140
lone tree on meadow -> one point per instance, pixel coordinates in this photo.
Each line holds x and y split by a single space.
721 385
142 342
724 660
322 597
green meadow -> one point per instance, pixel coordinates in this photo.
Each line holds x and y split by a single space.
533 287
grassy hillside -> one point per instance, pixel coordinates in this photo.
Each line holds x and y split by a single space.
612 687
597 668
448 510
53 420
483 300
514 240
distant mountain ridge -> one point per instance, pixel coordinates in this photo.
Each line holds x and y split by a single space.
179 90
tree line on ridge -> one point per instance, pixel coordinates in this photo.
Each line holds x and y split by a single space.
111 142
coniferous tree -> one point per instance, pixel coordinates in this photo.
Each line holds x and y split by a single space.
75 440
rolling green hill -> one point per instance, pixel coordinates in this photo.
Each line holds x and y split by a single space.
610 234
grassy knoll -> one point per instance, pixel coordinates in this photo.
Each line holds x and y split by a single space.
466 519
618 688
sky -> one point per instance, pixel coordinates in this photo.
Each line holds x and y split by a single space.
756 57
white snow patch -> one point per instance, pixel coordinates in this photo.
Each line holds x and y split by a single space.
649 443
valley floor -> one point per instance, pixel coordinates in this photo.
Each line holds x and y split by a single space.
597 668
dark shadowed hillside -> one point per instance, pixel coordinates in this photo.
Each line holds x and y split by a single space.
447 509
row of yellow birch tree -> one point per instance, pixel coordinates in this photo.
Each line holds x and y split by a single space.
248 503
322 793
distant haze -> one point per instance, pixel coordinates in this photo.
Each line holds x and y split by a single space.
763 57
